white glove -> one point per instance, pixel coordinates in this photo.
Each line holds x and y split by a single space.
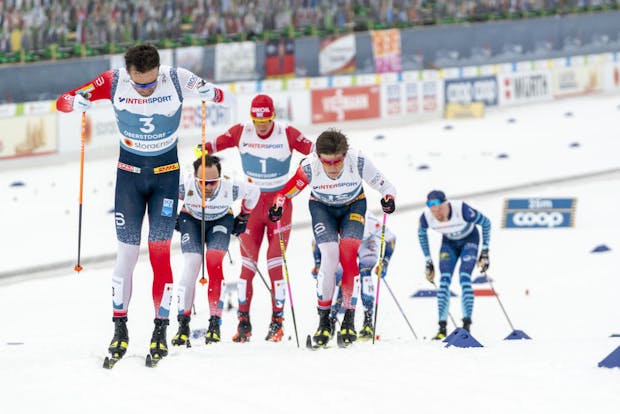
207 91
81 103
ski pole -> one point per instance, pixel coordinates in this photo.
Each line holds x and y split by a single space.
203 280
498 300
381 257
449 314
288 283
256 266
400 309
78 267
229 257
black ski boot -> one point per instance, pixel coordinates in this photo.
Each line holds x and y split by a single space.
244 329
120 341
159 346
367 332
213 333
275 332
442 331
466 324
182 336
347 328
324 332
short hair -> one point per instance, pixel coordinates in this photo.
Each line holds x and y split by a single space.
210 161
332 141
142 57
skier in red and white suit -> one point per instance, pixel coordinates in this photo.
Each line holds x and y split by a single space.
265 147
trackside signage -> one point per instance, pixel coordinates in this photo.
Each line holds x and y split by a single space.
467 90
538 213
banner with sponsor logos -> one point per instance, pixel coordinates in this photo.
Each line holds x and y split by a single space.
386 50
522 87
346 104
537 213
410 97
280 58
467 90
611 77
577 80
27 135
235 61
337 55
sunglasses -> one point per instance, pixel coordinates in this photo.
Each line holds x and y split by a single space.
433 202
144 85
207 182
336 161
262 121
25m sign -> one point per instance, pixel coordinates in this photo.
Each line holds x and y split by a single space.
539 213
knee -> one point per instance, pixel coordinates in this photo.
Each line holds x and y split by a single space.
349 248
215 257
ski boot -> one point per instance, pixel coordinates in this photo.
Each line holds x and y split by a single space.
325 330
120 341
182 336
347 332
367 332
244 329
466 323
159 347
275 332
213 333
442 331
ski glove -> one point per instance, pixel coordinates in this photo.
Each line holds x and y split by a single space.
81 102
314 272
241 222
384 268
275 211
483 261
208 92
430 271
387 203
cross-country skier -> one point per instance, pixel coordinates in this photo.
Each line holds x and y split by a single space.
456 221
265 146
220 194
147 98
337 204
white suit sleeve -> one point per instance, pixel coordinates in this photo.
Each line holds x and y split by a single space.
374 177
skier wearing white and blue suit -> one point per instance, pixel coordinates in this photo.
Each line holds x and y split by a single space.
457 222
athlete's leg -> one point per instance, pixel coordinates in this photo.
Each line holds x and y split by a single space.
274 256
129 208
192 254
447 262
351 233
162 209
218 239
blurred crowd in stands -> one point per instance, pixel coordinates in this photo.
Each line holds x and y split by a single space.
33 25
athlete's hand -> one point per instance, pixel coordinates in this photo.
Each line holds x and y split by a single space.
198 151
208 92
241 222
81 102
483 261
388 205
384 268
275 211
430 271
314 272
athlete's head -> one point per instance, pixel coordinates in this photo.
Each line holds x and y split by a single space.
142 64
211 176
262 113
436 202
331 147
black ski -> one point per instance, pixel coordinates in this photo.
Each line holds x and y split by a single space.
153 360
313 347
341 342
110 361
